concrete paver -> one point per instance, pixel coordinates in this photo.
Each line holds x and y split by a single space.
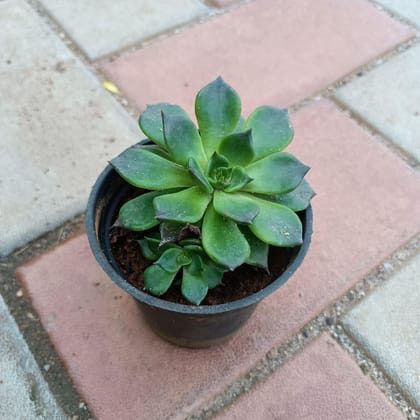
365 195
58 128
321 382
409 9
105 27
387 323
272 52
388 98
222 3
23 391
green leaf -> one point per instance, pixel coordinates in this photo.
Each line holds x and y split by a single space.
271 130
157 150
170 261
190 241
157 280
238 207
259 249
238 148
298 199
149 252
197 174
240 126
182 139
150 120
143 168
139 214
238 179
193 287
186 206
276 224
212 272
218 110
278 173
216 161
223 241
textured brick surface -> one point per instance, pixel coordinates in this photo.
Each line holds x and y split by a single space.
363 211
409 9
23 391
271 51
104 27
58 128
388 98
387 323
321 382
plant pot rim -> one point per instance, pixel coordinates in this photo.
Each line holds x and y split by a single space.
156 302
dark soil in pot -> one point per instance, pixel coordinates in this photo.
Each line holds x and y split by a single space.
244 281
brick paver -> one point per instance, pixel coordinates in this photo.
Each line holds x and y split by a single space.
321 382
104 27
23 391
409 9
388 98
273 52
58 128
361 214
387 323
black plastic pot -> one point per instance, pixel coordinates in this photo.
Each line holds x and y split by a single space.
184 325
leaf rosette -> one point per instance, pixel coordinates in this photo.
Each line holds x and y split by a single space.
228 177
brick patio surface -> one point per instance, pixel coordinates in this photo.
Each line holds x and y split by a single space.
349 70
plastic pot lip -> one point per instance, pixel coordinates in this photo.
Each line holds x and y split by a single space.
158 303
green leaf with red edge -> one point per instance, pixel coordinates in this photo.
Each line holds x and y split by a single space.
150 120
218 111
271 130
142 168
278 173
186 206
223 241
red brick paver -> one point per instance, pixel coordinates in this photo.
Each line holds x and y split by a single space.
272 52
365 208
322 382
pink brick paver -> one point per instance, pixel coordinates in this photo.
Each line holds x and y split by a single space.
321 382
365 207
271 51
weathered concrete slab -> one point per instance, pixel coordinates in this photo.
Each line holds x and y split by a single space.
388 98
387 323
103 27
409 9
58 128
24 393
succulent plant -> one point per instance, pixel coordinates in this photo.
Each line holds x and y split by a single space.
228 179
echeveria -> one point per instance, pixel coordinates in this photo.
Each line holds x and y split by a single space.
230 178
